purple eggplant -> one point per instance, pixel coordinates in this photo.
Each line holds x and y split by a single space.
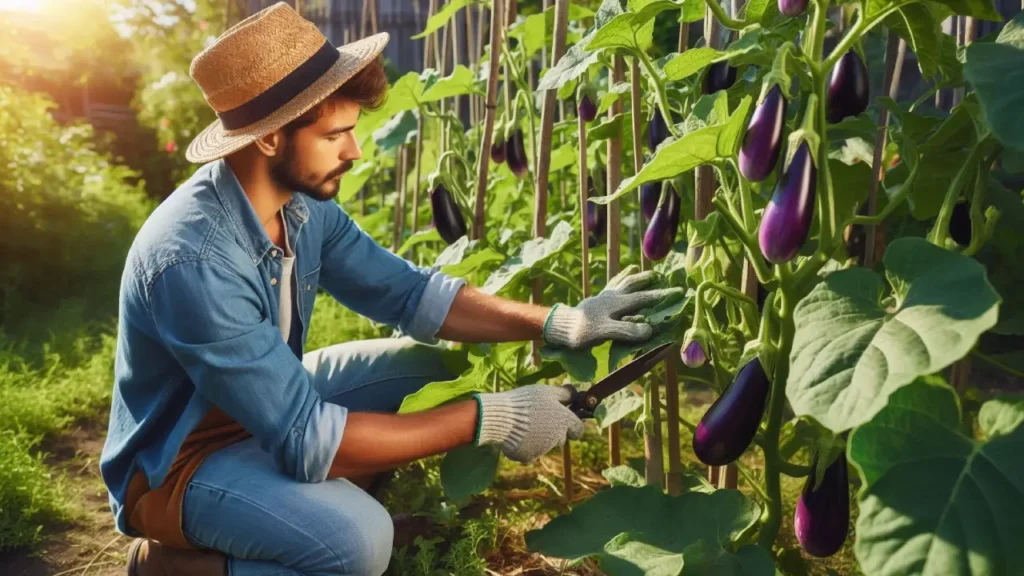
587 109
728 427
661 232
960 224
763 141
792 8
848 88
515 154
787 218
822 517
650 193
657 130
447 217
719 76
498 152
693 355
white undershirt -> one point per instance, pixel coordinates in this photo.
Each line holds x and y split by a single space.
287 265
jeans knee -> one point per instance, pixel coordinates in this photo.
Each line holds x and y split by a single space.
365 551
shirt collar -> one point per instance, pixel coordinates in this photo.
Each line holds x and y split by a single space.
243 216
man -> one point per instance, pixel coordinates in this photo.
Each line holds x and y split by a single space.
229 450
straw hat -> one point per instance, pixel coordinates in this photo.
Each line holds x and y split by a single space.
266 71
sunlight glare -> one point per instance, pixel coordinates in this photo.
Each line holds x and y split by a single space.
21 5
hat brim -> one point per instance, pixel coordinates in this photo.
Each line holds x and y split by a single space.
215 142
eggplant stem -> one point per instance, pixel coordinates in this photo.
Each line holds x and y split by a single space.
753 250
659 88
978 233
572 285
724 18
940 231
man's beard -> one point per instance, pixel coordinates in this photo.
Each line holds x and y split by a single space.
288 175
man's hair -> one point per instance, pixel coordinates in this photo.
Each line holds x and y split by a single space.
368 88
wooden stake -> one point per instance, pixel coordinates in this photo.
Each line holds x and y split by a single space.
485 142
613 176
547 121
403 172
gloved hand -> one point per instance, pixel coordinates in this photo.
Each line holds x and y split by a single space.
526 422
599 318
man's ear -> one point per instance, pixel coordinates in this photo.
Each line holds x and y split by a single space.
271 144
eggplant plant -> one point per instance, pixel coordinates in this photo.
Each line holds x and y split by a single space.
807 357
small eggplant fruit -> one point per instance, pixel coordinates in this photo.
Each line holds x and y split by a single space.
728 427
498 152
720 76
650 193
787 218
657 130
515 154
587 109
848 88
763 140
661 232
792 8
693 355
960 224
822 517
447 217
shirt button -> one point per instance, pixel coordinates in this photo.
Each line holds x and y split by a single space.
308 287
273 281
273 253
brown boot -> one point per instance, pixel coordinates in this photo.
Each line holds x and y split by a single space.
150 558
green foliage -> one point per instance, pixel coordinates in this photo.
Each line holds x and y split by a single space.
29 493
68 212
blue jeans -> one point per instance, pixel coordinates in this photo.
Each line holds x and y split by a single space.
268 524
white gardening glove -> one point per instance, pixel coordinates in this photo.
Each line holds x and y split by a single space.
599 318
526 422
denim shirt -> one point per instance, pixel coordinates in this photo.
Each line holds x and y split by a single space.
198 327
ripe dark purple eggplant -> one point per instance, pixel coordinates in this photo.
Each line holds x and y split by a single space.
763 140
447 217
822 517
787 218
693 355
657 130
661 232
650 193
587 109
719 76
792 8
728 427
498 152
515 153
960 224
848 89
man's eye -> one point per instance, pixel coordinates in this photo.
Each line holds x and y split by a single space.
332 138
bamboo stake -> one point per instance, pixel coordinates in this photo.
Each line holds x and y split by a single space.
585 257
638 153
547 120
471 62
479 50
420 126
485 143
895 49
373 15
456 105
364 18
403 173
613 176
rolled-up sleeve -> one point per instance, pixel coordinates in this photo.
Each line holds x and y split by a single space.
238 361
380 285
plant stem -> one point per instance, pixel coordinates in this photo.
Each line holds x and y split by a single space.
659 88
773 486
753 250
572 285
940 232
852 35
979 235
724 18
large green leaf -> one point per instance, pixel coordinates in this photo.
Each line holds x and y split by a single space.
693 149
997 73
617 406
532 254
1003 257
853 349
354 180
468 470
438 393
1001 416
920 25
653 517
459 82
442 16
632 30
696 59
578 57
396 131
933 500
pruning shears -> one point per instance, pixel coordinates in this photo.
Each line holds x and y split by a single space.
584 402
